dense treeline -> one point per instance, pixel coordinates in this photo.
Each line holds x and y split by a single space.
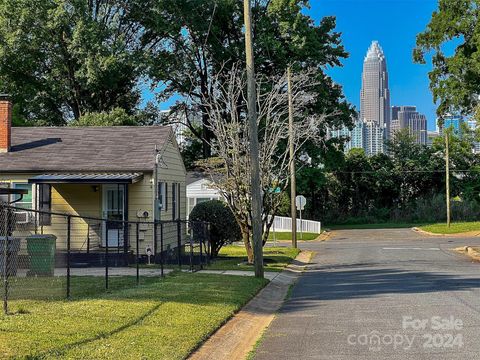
408 184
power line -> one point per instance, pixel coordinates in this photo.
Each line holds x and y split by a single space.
403 171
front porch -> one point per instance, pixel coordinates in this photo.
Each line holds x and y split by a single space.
99 203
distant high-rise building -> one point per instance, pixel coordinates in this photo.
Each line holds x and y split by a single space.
407 117
451 121
375 94
179 123
472 125
431 135
373 138
365 135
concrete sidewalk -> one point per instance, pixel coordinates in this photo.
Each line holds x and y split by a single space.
238 336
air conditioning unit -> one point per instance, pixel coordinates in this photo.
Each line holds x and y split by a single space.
22 217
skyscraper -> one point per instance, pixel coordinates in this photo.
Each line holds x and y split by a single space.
451 121
407 117
366 135
375 94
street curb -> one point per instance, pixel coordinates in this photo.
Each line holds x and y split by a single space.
465 234
237 337
321 237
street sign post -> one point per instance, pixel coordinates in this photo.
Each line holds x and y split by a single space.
300 202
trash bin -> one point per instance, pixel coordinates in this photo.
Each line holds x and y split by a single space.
13 247
41 251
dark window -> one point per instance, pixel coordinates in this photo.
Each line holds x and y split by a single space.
166 197
178 202
45 203
161 195
174 201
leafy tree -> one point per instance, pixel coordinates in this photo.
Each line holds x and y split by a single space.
116 117
205 38
63 59
455 79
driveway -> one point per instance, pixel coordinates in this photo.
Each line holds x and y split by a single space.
381 294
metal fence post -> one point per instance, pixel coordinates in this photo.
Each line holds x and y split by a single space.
191 251
106 256
69 221
137 253
155 241
179 244
206 242
201 250
5 264
88 238
161 249
209 244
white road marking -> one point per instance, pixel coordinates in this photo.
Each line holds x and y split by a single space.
412 248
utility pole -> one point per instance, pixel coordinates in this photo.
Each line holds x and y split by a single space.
254 152
293 180
447 181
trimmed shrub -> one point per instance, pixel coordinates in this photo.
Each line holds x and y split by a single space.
224 228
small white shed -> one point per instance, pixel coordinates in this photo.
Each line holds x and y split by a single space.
199 189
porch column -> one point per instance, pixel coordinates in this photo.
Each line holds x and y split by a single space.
126 237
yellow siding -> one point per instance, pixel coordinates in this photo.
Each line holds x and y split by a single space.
140 198
86 200
173 172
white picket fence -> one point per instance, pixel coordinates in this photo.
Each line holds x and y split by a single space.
285 224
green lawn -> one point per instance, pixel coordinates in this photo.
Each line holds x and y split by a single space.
275 258
455 228
55 287
165 319
372 226
288 236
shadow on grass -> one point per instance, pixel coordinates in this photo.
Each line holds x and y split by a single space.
200 292
55 287
102 335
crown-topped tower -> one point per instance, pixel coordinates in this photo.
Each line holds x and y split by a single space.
375 94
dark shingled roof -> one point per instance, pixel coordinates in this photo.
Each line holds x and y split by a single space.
73 149
194 176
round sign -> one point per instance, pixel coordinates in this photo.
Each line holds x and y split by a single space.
300 202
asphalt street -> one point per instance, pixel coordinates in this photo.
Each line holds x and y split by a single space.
381 294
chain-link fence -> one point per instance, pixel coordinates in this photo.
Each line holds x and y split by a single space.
54 256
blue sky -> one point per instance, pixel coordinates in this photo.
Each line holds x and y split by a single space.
395 24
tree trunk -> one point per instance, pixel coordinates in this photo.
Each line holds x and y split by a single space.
248 245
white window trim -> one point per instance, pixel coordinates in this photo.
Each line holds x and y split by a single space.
13 185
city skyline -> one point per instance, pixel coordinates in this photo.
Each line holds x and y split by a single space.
377 119
360 22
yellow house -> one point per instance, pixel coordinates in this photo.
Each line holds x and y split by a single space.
115 173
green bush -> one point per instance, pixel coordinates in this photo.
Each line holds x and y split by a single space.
223 225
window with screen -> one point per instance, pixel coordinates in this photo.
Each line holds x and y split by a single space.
26 201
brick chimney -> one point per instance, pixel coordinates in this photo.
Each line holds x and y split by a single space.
5 123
